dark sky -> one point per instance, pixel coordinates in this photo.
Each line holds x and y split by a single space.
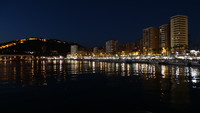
92 22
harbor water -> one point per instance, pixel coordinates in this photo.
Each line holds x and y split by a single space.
95 86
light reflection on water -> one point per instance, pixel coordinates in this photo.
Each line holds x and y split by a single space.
27 72
172 84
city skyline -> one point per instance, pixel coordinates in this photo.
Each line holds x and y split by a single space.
84 56
165 39
91 23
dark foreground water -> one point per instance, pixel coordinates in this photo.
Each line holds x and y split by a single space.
59 86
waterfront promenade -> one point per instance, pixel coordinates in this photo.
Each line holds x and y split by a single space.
163 60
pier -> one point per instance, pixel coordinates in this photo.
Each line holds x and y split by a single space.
7 57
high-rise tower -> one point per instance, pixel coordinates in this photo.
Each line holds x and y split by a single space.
150 40
164 39
179 34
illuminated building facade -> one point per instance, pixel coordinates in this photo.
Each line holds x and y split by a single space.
74 49
95 50
112 46
179 33
150 40
129 47
164 39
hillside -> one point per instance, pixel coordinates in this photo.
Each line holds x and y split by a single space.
37 47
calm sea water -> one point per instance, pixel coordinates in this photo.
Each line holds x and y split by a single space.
88 86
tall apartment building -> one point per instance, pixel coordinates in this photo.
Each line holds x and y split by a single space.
138 45
74 49
95 50
150 40
164 39
111 46
141 45
127 47
179 33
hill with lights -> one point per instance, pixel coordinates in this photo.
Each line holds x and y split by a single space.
37 47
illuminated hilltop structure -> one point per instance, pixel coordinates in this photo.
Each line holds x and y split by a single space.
37 47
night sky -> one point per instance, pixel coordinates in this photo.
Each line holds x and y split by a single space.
92 22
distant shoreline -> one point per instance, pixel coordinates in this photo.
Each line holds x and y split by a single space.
181 62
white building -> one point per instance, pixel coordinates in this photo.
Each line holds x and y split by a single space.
74 49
